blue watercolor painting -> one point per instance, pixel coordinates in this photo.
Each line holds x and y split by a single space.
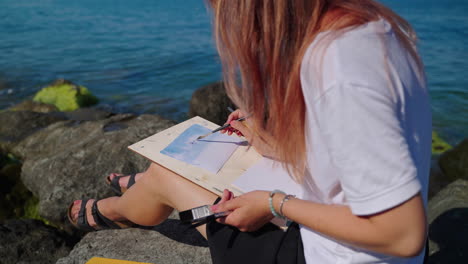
209 153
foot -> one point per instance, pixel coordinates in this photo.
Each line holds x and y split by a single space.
123 180
104 206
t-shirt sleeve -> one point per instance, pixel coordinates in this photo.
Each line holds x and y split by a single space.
366 140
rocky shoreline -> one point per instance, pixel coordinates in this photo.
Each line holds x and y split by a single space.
49 157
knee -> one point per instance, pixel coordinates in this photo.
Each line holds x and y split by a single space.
154 167
154 170
155 173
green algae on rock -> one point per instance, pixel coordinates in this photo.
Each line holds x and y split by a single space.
439 146
65 95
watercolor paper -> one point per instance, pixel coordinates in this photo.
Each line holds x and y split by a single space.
209 153
267 175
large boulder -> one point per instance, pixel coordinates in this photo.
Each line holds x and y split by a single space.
211 102
454 163
31 241
448 230
65 95
137 245
68 160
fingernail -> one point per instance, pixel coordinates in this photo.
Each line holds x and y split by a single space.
214 207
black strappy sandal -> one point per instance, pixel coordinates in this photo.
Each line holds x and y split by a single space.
102 222
114 183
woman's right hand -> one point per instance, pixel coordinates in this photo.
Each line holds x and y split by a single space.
241 128
233 116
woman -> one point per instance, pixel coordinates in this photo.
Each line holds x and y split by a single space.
336 93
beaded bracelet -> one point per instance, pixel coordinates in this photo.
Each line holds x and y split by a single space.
270 202
285 199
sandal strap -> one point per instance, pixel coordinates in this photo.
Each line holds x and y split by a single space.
82 220
101 220
115 184
99 223
131 180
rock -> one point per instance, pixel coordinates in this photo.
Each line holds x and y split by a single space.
69 160
31 241
29 105
454 163
438 144
211 102
136 245
65 95
437 180
17 125
448 229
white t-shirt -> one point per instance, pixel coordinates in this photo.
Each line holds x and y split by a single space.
368 130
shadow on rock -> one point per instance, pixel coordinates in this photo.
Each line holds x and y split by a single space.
31 241
450 231
183 233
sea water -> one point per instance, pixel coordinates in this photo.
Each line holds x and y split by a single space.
149 56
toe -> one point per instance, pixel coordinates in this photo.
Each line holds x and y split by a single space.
76 209
113 175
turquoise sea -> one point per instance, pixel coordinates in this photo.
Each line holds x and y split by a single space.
148 56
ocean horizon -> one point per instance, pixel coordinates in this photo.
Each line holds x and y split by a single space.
149 56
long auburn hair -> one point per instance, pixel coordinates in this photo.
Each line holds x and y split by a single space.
261 44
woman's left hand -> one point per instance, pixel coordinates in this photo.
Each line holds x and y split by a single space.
248 212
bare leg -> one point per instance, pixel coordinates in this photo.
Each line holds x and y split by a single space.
152 198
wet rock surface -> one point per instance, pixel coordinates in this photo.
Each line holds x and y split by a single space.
31 241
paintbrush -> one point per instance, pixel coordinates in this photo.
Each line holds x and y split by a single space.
221 128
